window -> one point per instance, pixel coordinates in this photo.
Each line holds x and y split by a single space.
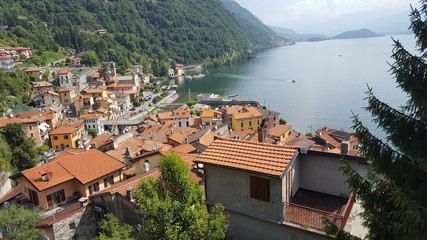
30 127
250 123
55 198
241 124
93 188
55 137
260 188
108 181
65 136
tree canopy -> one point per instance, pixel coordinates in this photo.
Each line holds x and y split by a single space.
111 229
393 194
20 222
173 207
23 149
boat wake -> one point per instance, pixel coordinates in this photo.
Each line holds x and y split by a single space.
227 75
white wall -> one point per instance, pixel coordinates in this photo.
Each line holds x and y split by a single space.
322 174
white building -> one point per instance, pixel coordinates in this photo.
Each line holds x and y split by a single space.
93 121
7 62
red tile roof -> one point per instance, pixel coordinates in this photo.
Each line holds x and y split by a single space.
249 112
262 158
133 182
183 148
279 130
63 71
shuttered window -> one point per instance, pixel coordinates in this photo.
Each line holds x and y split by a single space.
260 188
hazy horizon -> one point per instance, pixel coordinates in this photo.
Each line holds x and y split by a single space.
331 17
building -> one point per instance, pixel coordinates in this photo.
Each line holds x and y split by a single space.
211 117
246 118
35 127
36 72
271 118
280 133
53 117
7 62
67 179
66 95
63 77
38 88
93 121
181 117
67 136
46 100
272 191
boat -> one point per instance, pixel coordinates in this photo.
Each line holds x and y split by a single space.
233 95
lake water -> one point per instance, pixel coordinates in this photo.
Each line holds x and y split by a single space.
312 84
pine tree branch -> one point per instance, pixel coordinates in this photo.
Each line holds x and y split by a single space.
408 133
411 76
418 25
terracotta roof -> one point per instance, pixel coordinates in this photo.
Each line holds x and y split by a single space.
11 194
93 90
64 89
233 109
90 165
243 135
261 158
302 142
63 71
56 172
63 130
133 182
121 85
279 130
183 148
4 121
177 137
93 116
209 113
101 140
32 69
48 114
6 57
249 112
207 139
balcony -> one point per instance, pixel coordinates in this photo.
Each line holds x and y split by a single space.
308 208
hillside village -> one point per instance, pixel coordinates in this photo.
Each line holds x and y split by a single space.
106 133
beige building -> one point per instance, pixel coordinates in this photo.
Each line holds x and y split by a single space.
67 179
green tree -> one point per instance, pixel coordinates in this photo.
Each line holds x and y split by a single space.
92 132
111 229
90 59
173 207
393 194
24 151
20 222
282 121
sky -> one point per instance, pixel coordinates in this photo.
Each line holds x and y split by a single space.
332 16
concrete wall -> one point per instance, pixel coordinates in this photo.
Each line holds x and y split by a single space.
322 174
5 183
231 188
153 160
249 228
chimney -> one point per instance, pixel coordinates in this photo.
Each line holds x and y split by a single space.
345 147
146 166
262 134
44 176
129 194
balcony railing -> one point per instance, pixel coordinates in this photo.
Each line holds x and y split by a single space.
313 218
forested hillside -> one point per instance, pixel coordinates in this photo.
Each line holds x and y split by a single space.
139 31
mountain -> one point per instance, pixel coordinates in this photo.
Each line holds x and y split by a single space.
252 25
361 33
138 31
292 35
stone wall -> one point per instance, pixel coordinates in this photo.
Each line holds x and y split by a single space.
5 183
80 225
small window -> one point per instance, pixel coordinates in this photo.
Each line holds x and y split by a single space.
55 137
250 123
93 188
66 137
260 188
241 124
108 181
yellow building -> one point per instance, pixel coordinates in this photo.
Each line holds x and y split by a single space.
95 92
211 117
279 133
246 118
66 95
67 136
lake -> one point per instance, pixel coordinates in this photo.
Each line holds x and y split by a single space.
312 84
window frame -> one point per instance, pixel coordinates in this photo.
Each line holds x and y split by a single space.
260 188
